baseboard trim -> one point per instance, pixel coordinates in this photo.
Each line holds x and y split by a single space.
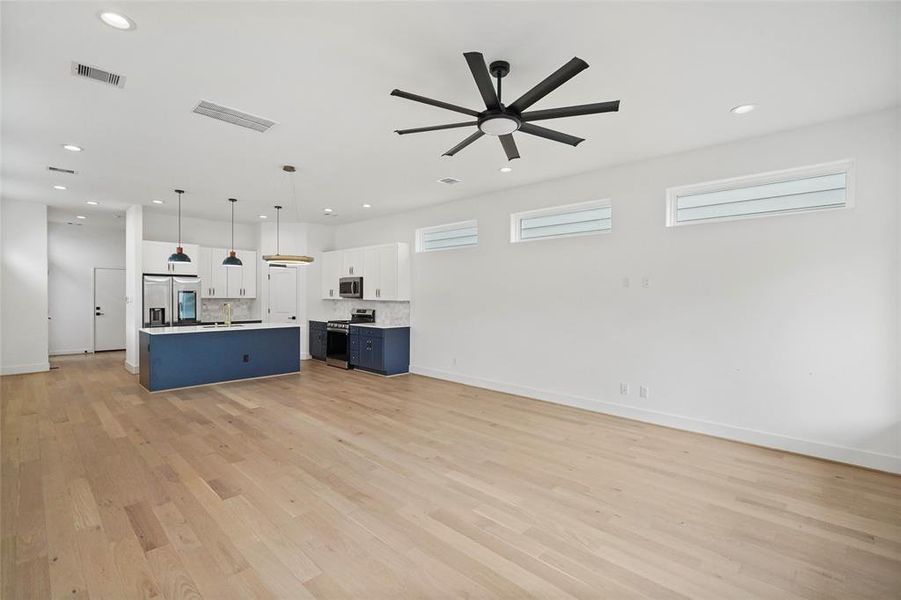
305 357
133 369
23 369
853 456
68 352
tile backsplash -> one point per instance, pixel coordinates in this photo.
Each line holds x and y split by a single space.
386 313
242 309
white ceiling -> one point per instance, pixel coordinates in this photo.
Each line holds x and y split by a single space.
324 71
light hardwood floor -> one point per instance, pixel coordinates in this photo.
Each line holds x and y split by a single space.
336 484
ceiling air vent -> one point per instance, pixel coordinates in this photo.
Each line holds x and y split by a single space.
449 180
82 70
233 116
61 170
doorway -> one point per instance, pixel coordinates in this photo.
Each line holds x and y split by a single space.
282 294
109 309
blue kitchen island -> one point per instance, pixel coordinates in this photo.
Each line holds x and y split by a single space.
175 357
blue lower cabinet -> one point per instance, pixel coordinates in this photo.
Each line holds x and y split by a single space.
385 351
184 359
318 340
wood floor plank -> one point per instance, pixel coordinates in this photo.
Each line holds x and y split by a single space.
337 484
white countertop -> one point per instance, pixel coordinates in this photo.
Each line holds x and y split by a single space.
377 325
213 328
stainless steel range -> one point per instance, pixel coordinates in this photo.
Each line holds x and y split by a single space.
337 350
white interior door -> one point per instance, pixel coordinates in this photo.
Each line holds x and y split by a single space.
109 309
282 294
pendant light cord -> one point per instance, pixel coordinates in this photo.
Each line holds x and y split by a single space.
278 210
233 226
179 219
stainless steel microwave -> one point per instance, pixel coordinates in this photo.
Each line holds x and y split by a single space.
350 287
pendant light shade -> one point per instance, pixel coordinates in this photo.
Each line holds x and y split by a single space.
279 259
231 260
179 255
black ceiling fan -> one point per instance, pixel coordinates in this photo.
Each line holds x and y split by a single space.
501 120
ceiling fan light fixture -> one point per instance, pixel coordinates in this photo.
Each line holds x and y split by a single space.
499 125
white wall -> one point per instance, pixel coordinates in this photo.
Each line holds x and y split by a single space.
780 331
23 305
73 254
204 232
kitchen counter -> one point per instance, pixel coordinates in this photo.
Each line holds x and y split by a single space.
214 328
176 357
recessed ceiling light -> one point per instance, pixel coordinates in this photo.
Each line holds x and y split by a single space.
72 148
505 169
59 187
80 217
742 109
327 210
263 217
157 201
116 20
367 206
92 202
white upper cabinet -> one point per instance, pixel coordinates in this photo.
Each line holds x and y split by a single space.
385 270
332 270
216 280
353 263
242 281
155 259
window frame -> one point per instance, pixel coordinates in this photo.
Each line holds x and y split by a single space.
845 166
517 217
420 243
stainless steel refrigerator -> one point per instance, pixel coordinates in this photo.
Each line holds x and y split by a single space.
171 300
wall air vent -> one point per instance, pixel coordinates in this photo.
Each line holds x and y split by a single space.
61 170
449 180
89 72
233 116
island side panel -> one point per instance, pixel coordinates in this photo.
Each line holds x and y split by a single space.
144 359
186 359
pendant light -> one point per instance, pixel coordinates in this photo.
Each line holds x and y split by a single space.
231 260
279 259
179 255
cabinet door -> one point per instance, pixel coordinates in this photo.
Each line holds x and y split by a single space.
371 352
353 263
332 264
372 268
387 257
249 275
155 257
188 268
205 272
235 281
218 273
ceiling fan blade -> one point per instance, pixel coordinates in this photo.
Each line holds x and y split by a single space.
571 111
479 69
550 134
438 103
435 127
551 83
464 143
509 146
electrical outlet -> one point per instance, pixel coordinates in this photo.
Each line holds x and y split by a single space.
626 282
645 282
454 361
643 392
624 389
